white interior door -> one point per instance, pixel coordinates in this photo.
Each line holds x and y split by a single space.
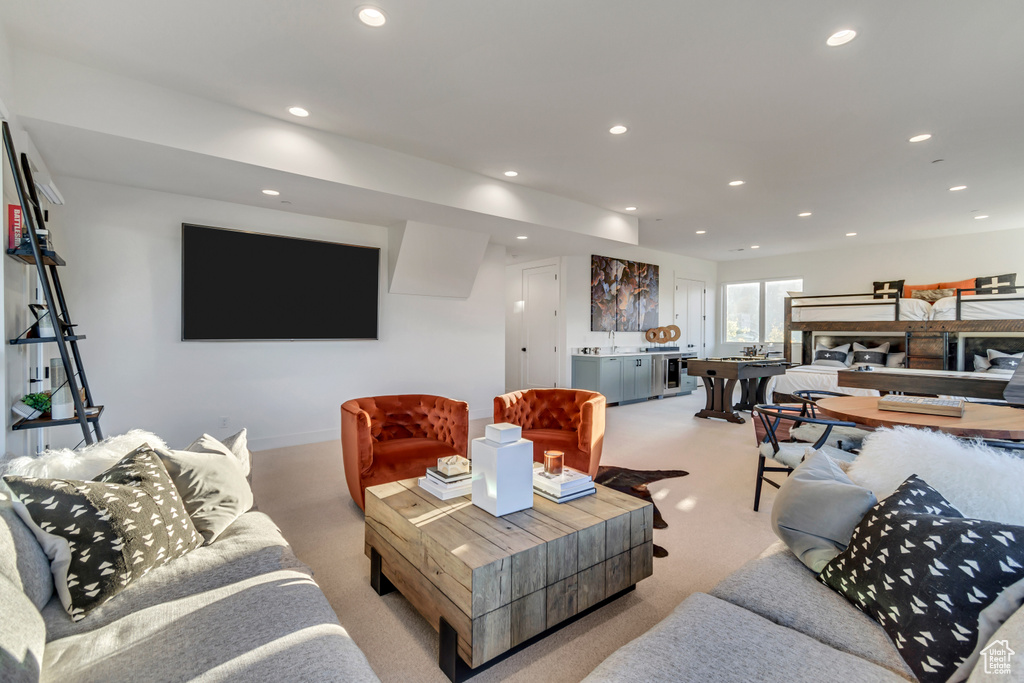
540 328
689 315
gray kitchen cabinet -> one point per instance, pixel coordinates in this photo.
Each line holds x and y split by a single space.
618 378
688 384
636 378
600 374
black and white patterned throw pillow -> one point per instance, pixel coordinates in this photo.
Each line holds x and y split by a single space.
888 290
998 284
925 573
102 535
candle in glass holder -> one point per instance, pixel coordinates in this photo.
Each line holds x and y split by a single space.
553 462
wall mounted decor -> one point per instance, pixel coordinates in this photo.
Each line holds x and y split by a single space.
623 295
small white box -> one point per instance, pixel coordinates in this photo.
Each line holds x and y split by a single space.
503 432
502 476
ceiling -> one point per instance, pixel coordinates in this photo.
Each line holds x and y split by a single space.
710 91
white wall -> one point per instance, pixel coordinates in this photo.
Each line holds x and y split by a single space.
123 287
853 269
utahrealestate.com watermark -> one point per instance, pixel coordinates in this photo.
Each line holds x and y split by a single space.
996 657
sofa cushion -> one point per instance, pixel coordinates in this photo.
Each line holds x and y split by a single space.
276 626
779 588
707 639
22 635
938 583
22 559
212 486
817 509
251 546
104 534
995 658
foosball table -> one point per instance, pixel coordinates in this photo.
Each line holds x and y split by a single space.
720 376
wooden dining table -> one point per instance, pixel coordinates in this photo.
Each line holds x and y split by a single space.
979 419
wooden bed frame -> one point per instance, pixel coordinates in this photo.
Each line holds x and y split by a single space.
929 344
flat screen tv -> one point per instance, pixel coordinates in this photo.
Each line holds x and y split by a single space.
238 285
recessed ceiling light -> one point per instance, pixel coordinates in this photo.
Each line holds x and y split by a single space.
701 232
755 246
272 193
805 214
630 208
511 174
298 111
978 218
841 37
617 130
737 183
957 188
921 138
521 237
371 16
851 234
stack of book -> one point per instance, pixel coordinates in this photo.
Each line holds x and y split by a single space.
446 486
561 488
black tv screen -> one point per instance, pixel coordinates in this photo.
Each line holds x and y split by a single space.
239 285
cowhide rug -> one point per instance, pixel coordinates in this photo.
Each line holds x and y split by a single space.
634 483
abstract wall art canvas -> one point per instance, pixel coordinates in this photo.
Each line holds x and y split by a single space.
623 295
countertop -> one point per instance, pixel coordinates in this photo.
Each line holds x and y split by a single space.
619 354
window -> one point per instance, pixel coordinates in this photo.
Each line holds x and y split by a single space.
755 312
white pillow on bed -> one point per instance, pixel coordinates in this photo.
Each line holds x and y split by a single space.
897 359
837 352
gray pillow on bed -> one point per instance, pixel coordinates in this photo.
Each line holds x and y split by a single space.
838 357
816 510
875 356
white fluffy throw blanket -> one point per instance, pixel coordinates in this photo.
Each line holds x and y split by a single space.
980 482
83 464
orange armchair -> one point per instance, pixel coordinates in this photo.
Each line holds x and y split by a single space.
568 420
387 438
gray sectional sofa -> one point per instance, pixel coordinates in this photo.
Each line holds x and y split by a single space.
772 620
241 609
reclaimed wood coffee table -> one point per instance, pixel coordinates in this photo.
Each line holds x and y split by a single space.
490 584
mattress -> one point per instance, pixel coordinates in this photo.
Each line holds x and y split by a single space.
981 307
821 377
863 309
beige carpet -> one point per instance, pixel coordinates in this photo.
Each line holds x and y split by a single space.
712 531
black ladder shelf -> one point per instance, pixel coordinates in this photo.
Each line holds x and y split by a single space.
46 262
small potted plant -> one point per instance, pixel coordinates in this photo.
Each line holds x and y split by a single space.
32 406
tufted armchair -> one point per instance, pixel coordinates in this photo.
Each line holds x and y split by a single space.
387 438
568 420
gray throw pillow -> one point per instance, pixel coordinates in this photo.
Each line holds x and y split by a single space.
212 487
816 510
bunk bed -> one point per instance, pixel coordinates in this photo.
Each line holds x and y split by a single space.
945 335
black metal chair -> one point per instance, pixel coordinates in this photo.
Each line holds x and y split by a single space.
790 454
